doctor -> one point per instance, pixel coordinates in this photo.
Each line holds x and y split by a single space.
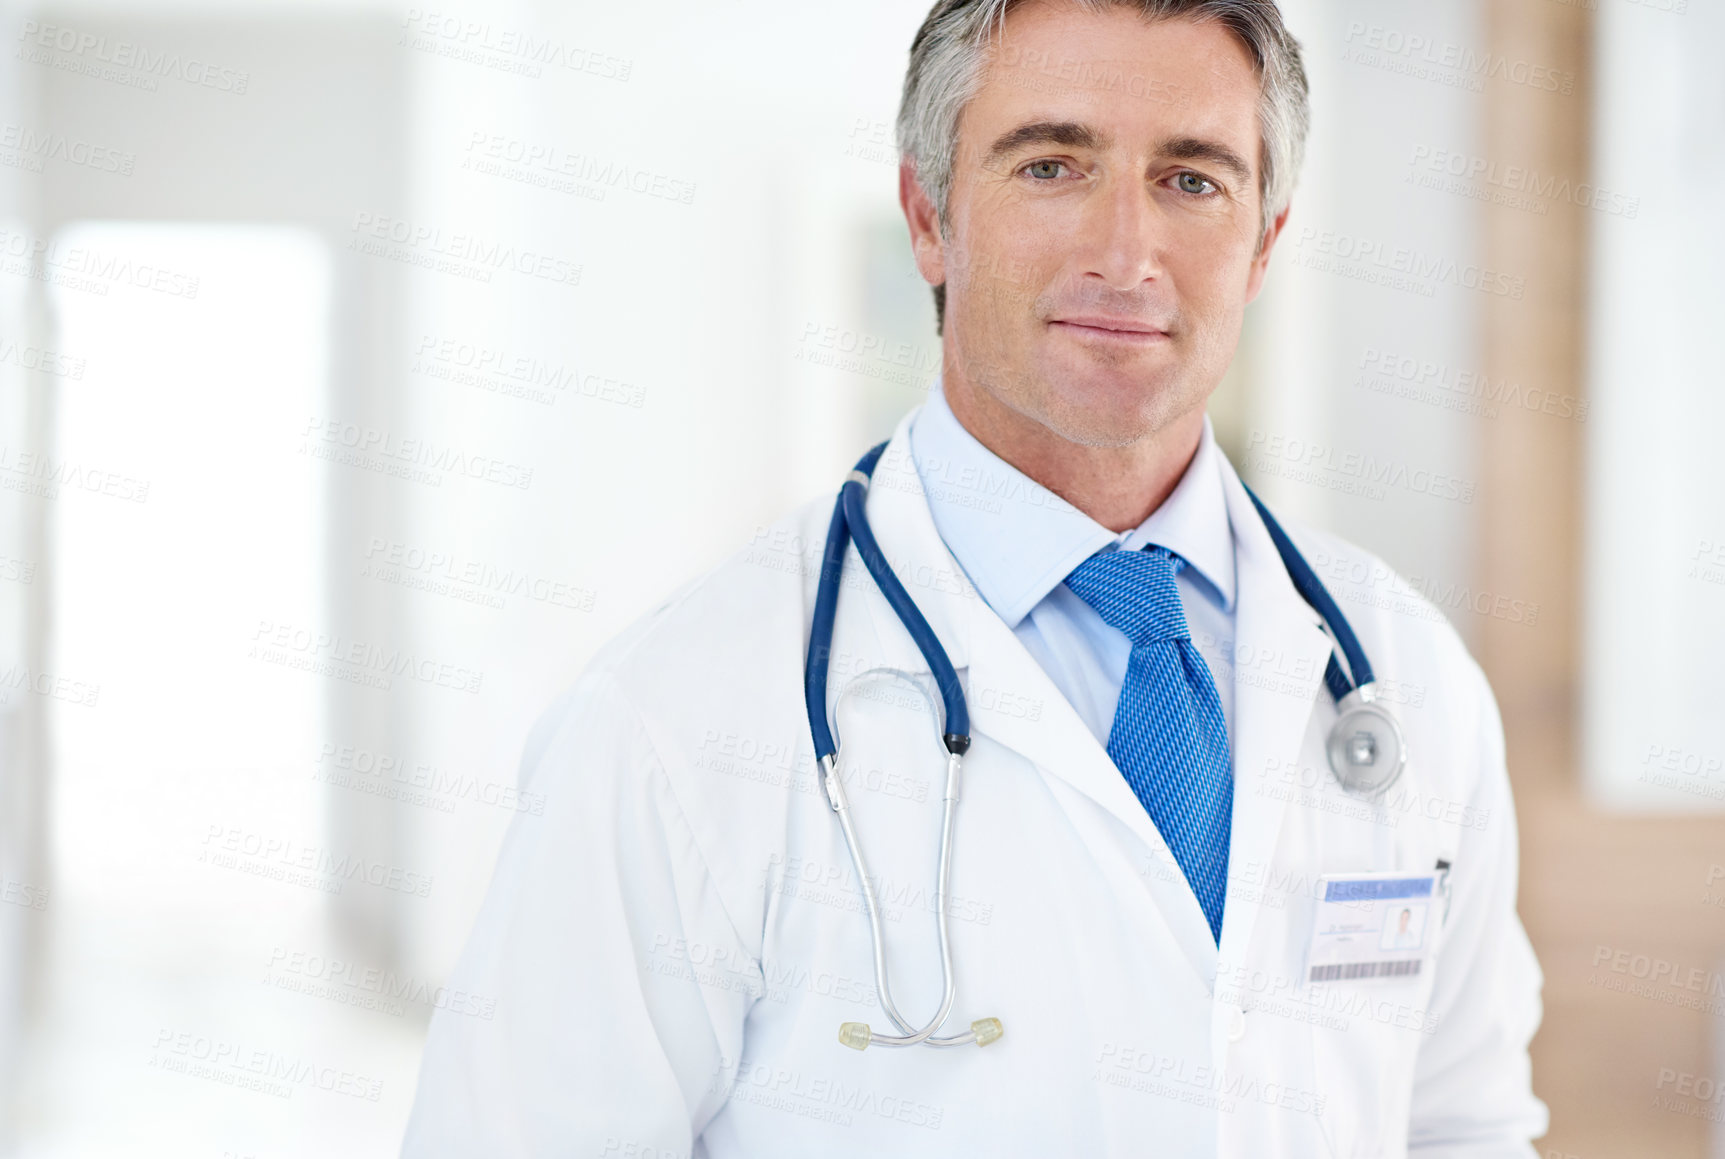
1163 901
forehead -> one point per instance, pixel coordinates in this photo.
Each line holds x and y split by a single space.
1140 81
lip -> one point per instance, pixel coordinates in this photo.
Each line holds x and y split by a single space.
1107 328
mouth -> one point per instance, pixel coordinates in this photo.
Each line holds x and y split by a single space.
1103 328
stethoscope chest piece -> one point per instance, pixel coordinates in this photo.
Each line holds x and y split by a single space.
1366 748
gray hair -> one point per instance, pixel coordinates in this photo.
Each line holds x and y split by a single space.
947 57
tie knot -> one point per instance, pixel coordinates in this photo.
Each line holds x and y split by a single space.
1134 592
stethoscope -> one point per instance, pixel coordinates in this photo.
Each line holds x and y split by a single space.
1366 749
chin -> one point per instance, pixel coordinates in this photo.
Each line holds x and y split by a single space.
1108 408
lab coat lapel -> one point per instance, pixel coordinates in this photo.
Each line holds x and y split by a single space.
1016 704
1010 698
1279 657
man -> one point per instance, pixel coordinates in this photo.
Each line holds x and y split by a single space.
1404 936
1150 835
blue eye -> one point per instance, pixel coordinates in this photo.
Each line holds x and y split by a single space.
1044 170
1190 182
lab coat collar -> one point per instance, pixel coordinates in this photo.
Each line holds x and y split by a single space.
1279 654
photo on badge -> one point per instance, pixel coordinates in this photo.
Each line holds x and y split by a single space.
1404 927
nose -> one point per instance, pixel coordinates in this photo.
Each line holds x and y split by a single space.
1122 235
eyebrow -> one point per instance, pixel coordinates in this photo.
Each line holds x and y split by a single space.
1071 134
1198 149
1076 135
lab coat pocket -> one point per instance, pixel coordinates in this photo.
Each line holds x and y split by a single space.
1369 990
1364 1045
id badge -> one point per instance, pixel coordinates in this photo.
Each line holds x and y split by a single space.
1373 926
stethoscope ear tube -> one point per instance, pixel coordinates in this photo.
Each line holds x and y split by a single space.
821 632
957 732
849 520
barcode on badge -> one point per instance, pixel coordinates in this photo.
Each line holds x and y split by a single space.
1348 971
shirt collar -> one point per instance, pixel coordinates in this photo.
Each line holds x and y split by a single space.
1017 540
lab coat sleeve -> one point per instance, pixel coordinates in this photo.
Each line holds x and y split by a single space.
619 980
1473 1095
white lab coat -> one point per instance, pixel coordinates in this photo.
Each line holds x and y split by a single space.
673 945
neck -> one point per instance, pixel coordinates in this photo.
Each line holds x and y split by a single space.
1118 487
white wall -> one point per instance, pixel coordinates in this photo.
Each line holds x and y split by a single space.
1323 437
1655 594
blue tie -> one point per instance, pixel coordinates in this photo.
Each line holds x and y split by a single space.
1168 737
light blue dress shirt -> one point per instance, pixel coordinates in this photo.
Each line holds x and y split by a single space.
1018 541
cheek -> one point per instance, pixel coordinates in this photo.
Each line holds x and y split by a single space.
996 284
1013 245
1218 337
1211 280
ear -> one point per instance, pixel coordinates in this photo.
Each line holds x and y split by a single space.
919 214
1261 261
